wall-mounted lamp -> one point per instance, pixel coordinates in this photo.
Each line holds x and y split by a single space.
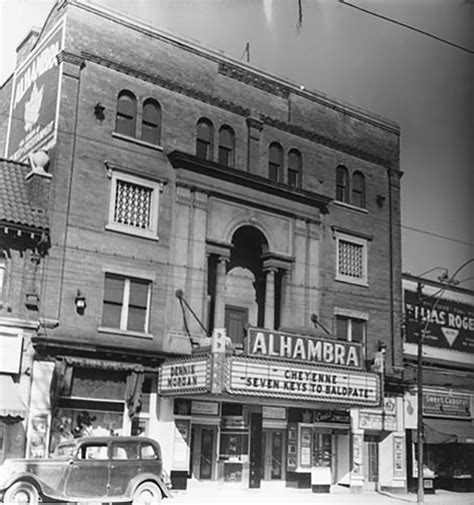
80 302
99 111
382 347
380 200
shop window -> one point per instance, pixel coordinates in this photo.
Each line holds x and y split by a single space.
358 190
226 146
204 139
351 259
342 184
151 121
96 384
134 205
350 329
126 303
126 113
275 162
295 165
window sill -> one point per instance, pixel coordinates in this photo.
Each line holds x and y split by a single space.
124 333
139 142
128 230
350 207
355 282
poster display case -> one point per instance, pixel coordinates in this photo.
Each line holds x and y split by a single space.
233 447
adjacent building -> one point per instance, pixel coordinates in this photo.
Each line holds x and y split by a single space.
443 312
223 272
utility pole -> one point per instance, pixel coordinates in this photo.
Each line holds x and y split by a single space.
419 441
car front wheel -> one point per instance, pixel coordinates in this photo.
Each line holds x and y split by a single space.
147 493
21 493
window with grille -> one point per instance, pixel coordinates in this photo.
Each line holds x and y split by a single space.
351 259
134 205
126 303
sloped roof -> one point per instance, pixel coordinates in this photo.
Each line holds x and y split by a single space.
15 207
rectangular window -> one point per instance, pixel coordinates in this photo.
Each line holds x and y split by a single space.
350 329
126 303
351 259
134 205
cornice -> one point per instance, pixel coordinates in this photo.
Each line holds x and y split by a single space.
181 160
167 84
326 141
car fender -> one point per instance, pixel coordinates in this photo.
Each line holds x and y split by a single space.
25 477
148 477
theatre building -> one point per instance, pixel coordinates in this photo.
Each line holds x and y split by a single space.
445 313
224 269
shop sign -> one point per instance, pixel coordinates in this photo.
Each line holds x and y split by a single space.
34 98
279 379
451 324
274 344
442 404
11 345
274 413
204 408
184 376
332 416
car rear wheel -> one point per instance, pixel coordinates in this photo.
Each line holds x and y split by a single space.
21 493
147 493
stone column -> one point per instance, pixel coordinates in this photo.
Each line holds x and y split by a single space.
270 298
285 299
255 127
219 306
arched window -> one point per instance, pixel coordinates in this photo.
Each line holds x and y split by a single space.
226 146
275 162
126 113
205 134
358 190
342 184
151 121
295 165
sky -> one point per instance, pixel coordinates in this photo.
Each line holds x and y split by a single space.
424 84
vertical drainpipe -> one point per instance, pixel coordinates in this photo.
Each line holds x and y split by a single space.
70 59
390 245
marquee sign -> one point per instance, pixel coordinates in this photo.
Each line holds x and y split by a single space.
451 324
274 344
184 376
280 379
34 98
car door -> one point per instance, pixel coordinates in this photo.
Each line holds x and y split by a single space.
150 458
89 470
124 465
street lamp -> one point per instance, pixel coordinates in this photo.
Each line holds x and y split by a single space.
449 281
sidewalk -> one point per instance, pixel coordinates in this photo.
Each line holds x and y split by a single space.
338 496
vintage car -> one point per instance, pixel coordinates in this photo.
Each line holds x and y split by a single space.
92 469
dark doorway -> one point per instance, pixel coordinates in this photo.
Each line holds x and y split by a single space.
236 319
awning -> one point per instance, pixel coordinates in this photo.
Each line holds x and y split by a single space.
448 431
11 405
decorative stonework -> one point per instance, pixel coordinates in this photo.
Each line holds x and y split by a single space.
183 195
200 200
253 79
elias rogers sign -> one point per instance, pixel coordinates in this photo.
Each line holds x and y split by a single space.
272 344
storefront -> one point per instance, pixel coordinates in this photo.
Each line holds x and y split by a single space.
448 433
13 410
73 397
285 410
